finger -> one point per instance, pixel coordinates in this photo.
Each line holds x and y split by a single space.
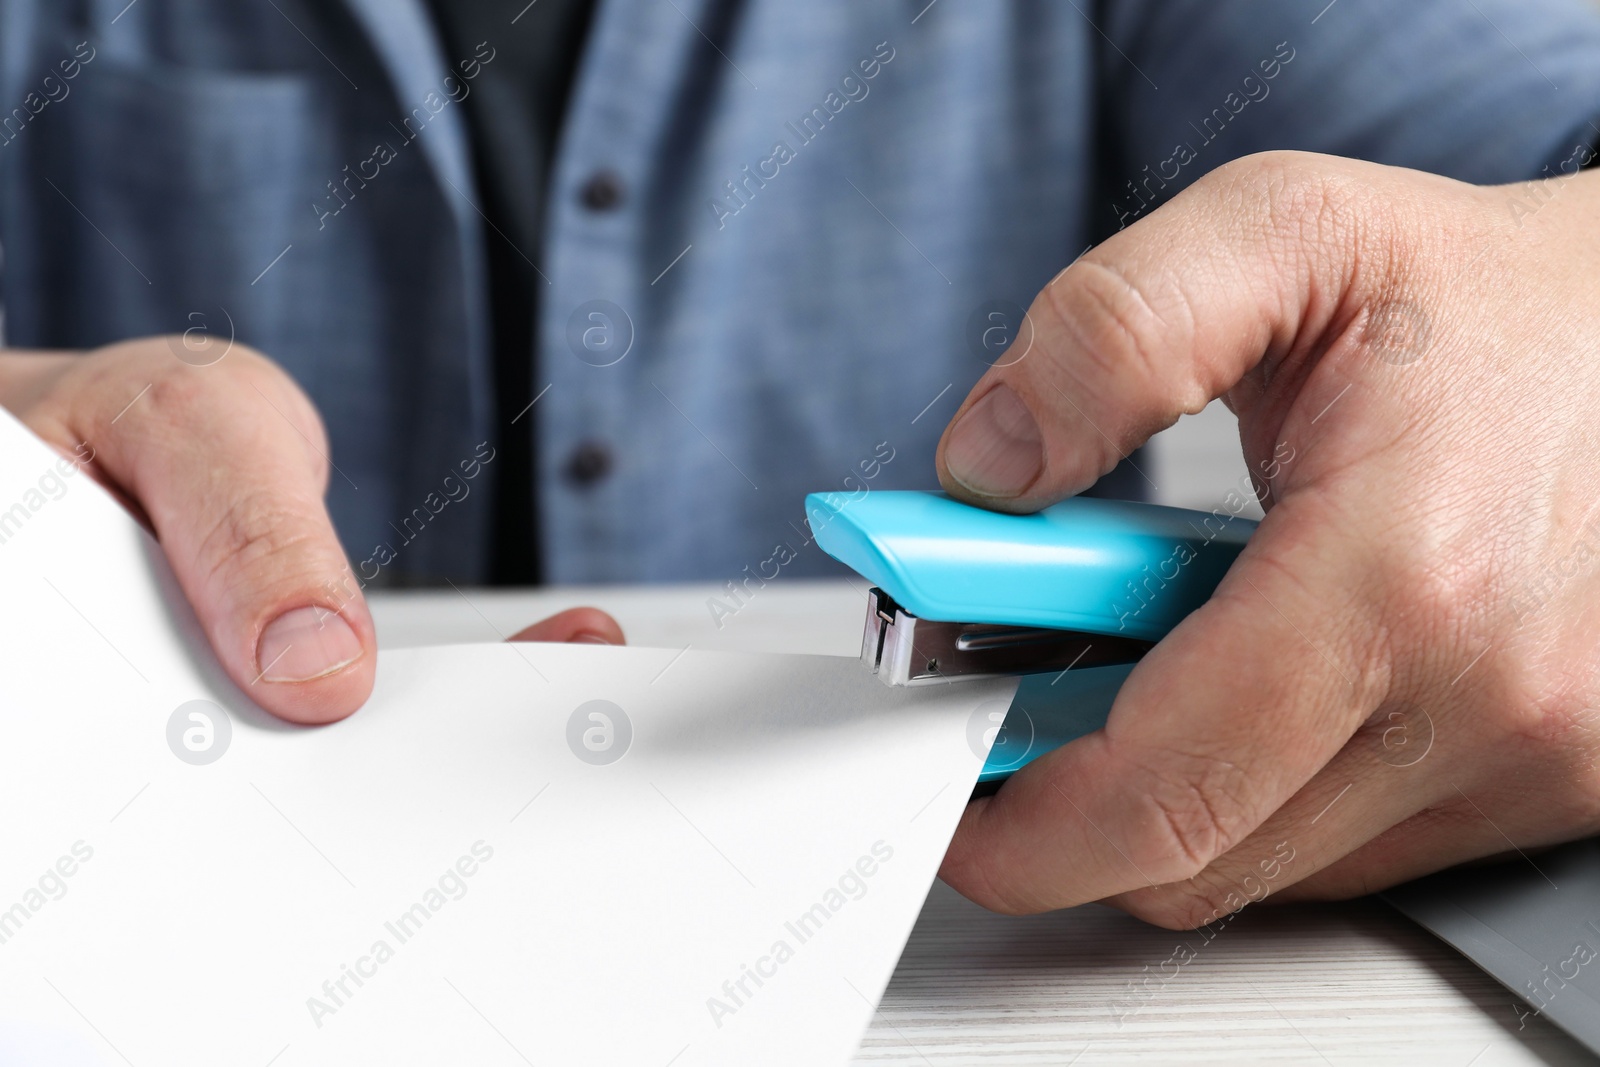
583 625
1457 831
1376 783
1431 840
1224 721
1154 323
229 463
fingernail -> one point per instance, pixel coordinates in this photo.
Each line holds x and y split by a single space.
589 637
306 643
996 449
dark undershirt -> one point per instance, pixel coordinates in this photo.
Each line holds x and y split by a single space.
514 110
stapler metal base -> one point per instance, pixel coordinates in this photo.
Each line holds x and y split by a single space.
903 649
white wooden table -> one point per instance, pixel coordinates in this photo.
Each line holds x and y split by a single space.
1348 983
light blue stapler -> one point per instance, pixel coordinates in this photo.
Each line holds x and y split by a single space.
1070 597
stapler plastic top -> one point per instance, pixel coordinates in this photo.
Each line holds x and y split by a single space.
960 592
965 592
1087 587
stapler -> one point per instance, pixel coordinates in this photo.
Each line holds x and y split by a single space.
1069 597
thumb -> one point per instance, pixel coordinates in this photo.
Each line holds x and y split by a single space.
229 463
1156 322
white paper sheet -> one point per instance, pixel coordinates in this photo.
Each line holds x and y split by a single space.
462 872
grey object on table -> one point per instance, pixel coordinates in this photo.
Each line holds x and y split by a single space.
1532 923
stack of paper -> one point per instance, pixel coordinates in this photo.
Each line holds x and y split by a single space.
512 854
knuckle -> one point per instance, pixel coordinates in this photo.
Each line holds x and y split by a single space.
180 396
1537 705
1123 332
1436 592
239 393
1297 200
1271 170
254 532
1194 813
1429 609
1287 185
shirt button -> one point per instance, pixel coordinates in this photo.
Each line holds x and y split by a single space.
602 192
589 463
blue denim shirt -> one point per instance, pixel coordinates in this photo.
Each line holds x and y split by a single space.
824 205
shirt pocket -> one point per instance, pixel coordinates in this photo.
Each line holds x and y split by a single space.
178 192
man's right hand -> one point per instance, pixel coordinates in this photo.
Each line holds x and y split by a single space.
227 464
